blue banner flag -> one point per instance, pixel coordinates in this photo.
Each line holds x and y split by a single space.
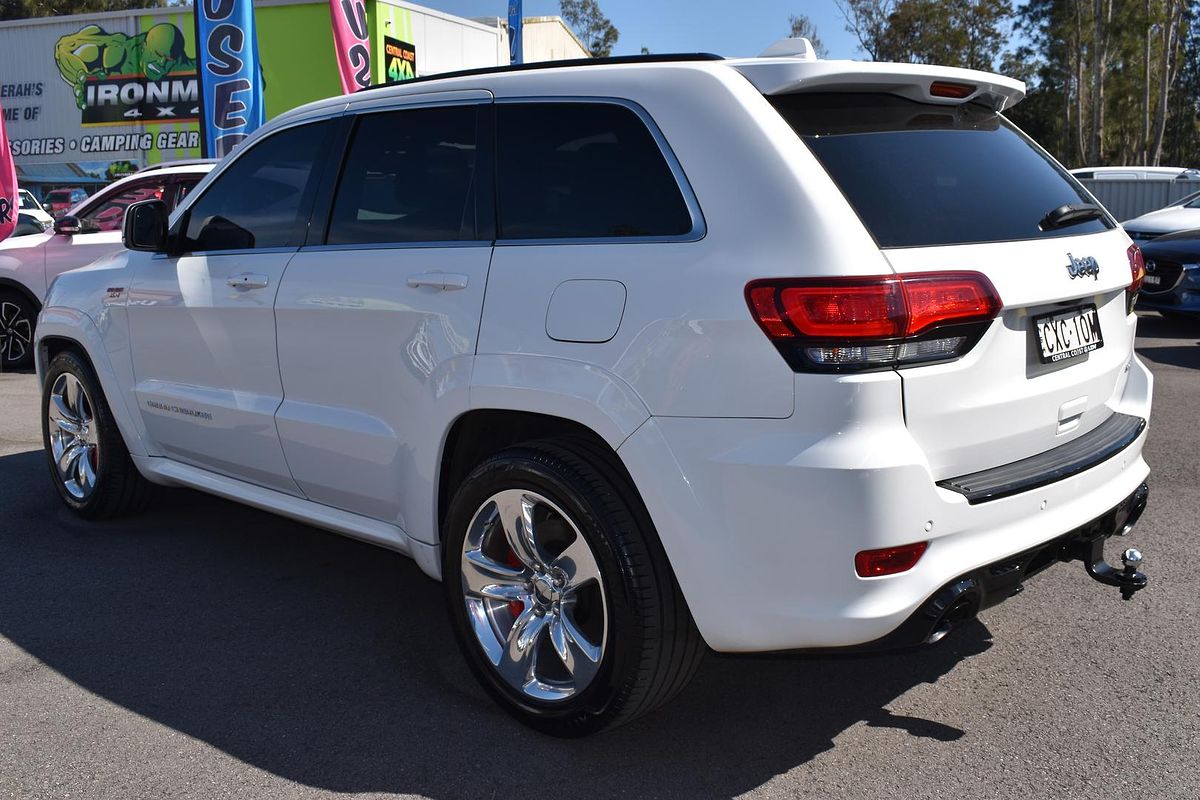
516 21
230 76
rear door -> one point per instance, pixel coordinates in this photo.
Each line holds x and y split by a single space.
380 314
951 188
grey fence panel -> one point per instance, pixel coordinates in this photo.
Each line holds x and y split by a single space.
1128 199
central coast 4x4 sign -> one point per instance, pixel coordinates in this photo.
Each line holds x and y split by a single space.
120 79
399 60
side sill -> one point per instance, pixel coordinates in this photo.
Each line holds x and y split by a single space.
172 473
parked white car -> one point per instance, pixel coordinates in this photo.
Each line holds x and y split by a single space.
1182 215
30 206
640 357
84 233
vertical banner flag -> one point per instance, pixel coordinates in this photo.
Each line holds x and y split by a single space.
230 75
9 202
516 22
350 43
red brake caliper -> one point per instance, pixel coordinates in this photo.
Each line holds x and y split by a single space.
515 607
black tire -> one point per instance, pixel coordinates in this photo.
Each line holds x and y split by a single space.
653 647
1180 318
118 488
17 320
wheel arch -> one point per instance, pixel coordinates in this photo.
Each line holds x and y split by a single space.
23 290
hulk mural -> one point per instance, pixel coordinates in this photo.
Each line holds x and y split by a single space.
119 78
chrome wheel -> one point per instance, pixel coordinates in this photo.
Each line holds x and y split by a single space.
74 440
16 332
534 595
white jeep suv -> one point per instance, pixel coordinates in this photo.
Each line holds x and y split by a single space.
638 357
88 231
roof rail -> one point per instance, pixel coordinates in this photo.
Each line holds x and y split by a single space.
654 58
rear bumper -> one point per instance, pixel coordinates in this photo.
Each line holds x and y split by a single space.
761 518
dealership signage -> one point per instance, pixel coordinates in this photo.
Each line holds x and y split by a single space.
399 60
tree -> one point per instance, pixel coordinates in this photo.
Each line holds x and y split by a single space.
868 21
24 9
589 23
803 27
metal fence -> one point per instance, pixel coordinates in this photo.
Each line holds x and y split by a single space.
1129 199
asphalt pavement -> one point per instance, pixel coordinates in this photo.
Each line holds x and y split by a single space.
206 650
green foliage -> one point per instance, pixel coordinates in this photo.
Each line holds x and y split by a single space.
23 9
594 29
803 27
1109 81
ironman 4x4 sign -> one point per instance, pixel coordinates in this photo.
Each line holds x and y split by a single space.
125 80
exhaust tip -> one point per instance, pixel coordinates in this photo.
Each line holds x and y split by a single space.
960 611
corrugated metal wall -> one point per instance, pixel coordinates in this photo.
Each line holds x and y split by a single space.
1129 199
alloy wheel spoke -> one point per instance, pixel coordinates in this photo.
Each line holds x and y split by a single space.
516 517
578 564
578 655
8 312
484 577
520 656
66 461
67 426
60 410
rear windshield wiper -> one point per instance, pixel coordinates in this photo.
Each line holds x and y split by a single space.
1070 214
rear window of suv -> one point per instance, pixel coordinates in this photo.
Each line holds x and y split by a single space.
920 174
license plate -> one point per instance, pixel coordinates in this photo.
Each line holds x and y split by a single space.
1153 280
1068 334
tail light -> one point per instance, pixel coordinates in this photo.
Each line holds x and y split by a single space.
1137 268
844 324
888 560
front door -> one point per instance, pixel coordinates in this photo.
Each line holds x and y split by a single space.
201 324
375 318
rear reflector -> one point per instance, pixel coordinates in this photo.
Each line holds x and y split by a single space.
955 90
888 560
879 321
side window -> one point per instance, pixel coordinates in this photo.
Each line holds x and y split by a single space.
183 187
576 170
408 178
263 199
108 212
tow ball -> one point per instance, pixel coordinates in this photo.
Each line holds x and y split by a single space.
1128 579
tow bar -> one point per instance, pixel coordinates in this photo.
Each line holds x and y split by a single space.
1090 549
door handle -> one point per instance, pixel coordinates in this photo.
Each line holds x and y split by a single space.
248 281
448 281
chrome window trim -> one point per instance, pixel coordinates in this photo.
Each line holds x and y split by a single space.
324 248
699 226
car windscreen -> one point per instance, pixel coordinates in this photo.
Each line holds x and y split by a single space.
58 197
27 202
920 174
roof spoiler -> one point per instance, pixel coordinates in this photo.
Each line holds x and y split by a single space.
921 82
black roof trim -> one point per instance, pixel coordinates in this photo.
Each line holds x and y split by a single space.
654 58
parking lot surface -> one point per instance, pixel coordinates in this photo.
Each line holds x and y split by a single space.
206 650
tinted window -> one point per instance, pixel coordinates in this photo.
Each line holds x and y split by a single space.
920 174
408 178
583 170
263 198
108 212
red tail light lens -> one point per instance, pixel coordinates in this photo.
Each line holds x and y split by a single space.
888 560
955 90
1137 267
873 322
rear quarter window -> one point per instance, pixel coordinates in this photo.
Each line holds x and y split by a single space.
920 174
572 170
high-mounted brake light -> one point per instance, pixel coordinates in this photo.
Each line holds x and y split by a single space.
1137 269
954 90
841 324
888 560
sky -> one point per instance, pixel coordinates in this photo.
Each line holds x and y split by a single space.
738 28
